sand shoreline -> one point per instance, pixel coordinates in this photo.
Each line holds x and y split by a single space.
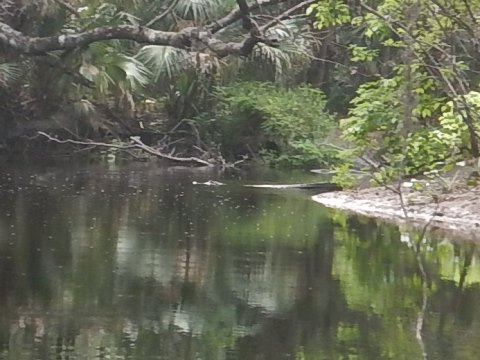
456 214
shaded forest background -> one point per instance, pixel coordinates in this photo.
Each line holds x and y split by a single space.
290 83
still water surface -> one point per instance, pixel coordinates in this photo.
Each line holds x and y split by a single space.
135 262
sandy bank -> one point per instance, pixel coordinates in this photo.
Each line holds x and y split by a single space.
456 214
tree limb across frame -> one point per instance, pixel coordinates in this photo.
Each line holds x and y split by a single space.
183 39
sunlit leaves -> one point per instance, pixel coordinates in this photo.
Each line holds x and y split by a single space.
330 13
360 53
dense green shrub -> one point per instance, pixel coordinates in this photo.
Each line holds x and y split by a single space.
436 132
286 127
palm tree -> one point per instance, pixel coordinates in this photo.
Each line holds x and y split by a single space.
121 73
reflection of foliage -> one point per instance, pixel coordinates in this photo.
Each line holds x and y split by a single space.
379 276
140 265
273 224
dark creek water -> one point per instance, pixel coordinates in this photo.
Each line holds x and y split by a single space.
135 262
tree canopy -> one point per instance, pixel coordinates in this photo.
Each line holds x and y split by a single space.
400 77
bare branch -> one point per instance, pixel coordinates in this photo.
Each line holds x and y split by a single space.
163 14
68 7
286 14
136 144
37 45
236 14
140 145
184 39
89 142
245 14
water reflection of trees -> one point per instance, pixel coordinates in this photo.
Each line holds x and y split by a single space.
142 264
412 306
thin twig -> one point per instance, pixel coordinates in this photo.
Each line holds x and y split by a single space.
68 7
278 19
163 14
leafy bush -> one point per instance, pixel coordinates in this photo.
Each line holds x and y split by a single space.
436 135
285 126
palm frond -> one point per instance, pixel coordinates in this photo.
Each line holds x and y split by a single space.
286 59
111 70
199 10
136 73
278 58
9 73
162 60
292 51
288 29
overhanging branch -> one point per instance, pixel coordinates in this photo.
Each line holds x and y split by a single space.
37 45
183 39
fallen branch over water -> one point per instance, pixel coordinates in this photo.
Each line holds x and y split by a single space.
140 145
136 143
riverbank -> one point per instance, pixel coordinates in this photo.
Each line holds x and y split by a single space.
456 213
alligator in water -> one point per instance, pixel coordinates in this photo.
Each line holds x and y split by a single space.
309 186
208 183
324 187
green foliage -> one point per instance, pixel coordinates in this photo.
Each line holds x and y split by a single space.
286 126
416 100
330 13
361 53
343 176
455 111
376 122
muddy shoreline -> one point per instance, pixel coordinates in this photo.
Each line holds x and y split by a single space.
456 214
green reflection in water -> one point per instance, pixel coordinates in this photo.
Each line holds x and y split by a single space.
137 263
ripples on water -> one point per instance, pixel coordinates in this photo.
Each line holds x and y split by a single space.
135 262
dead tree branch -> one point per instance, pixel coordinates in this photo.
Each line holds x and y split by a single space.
136 144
